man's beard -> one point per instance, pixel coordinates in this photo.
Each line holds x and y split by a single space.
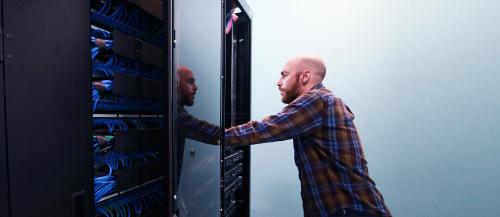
187 101
293 93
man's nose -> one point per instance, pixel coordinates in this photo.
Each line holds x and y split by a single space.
279 83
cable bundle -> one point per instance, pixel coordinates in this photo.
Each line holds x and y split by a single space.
118 160
100 88
130 20
98 44
135 203
125 104
114 161
122 124
104 185
111 124
100 33
99 141
143 123
124 65
99 40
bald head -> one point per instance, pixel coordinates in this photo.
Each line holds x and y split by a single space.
300 75
313 64
187 86
184 72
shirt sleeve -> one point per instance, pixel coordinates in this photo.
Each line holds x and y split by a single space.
297 118
197 129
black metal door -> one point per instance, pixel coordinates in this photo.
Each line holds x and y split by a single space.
47 99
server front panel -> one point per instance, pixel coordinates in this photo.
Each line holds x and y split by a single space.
128 103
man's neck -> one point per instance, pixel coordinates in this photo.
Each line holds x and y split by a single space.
307 88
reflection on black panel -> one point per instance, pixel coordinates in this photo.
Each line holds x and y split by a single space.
197 68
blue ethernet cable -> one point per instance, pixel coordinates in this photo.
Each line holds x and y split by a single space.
111 123
94 52
108 84
95 143
123 125
108 44
133 18
125 65
137 208
100 33
106 68
119 160
142 199
116 161
135 67
118 14
138 124
103 188
104 184
95 98
105 8
128 20
102 87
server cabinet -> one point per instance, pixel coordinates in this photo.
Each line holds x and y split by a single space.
236 108
51 113
47 121
86 128
130 118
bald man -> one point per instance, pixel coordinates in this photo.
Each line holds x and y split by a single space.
187 86
328 153
188 125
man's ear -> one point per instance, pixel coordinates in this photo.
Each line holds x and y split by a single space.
305 76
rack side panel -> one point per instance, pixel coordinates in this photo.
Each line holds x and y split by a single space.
47 86
4 194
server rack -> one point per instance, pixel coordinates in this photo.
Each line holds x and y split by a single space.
236 109
48 119
129 137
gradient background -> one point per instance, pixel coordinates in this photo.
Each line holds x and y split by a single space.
422 78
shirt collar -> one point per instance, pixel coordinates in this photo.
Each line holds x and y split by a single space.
317 86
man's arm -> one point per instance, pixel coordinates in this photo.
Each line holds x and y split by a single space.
197 129
298 117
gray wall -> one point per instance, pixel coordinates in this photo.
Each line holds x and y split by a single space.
422 78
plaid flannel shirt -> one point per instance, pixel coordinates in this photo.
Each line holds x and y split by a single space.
194 128
328 153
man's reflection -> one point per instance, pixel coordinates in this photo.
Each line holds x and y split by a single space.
187 86
189 126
